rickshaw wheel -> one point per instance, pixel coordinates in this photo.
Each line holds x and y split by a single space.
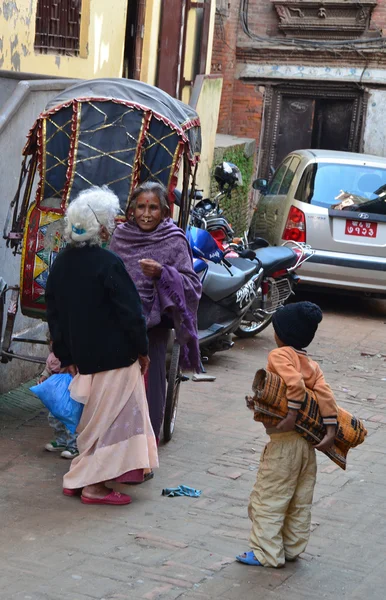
172 392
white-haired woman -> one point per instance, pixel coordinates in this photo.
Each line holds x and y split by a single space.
99 334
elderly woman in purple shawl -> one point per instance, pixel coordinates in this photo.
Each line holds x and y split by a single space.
158 258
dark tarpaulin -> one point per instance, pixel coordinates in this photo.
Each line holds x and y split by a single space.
137 92
114 132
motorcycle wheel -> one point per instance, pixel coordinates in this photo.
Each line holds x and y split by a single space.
172 393
248 329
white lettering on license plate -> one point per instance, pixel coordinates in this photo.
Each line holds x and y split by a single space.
361 228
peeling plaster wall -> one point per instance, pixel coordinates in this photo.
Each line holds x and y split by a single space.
150 42
103 41
7 86
374 136
206 97
13 134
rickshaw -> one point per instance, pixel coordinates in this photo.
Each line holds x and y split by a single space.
114 132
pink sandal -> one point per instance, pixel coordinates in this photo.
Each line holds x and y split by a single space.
113 498
73 492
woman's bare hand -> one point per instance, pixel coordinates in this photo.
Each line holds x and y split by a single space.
71 369
151 268
144 363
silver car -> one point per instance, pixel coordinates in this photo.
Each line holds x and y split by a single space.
336 203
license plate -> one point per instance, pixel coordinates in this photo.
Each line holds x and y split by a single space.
361 228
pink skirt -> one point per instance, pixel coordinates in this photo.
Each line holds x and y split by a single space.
115 433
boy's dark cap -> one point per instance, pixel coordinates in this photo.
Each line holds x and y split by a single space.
296 324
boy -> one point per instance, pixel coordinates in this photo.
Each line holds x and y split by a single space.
65 442
281 500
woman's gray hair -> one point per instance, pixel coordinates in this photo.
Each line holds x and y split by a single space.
91 209
155 188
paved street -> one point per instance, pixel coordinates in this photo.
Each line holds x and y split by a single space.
54 548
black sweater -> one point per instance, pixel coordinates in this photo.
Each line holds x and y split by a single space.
94 311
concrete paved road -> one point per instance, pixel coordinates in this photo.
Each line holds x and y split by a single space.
54 548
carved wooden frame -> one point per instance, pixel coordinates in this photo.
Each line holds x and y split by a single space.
329 19
271 114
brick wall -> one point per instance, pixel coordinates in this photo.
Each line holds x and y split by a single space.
241 103
262 20
247 110
378 20
224 59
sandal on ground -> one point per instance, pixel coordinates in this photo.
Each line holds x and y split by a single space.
113 498
248 558
73 492
146 477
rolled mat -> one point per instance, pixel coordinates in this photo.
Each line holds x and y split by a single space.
270 407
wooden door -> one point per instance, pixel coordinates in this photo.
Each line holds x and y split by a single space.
313 115
332 124
132 57
295 125
170 46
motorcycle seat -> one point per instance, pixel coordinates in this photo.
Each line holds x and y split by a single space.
219 284
247 266
276 258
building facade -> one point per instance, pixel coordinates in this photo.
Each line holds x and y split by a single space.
302 74
47 45
63 38
162 43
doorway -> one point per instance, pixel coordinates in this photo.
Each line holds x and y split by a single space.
317 116
132 56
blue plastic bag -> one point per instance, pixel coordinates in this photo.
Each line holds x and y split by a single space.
55 395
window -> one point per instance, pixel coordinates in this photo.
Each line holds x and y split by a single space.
58 26
288 177
321 183
275 184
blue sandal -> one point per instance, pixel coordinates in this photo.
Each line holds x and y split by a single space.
248 558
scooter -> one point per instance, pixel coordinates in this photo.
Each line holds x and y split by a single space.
228 291
240 295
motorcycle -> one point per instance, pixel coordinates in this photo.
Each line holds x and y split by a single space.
278 263
240 295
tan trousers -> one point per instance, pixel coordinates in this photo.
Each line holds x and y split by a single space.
280 502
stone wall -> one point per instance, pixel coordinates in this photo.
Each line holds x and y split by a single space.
242 152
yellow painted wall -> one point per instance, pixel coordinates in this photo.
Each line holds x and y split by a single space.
191 50
150 42
102 41
208 107
210 37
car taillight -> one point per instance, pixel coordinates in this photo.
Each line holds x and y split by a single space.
295 228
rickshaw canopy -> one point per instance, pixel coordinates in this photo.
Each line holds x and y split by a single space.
114 132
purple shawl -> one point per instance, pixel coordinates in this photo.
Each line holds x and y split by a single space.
177 292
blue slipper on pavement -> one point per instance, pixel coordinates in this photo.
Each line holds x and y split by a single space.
248 558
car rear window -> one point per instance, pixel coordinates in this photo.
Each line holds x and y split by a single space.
322 184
